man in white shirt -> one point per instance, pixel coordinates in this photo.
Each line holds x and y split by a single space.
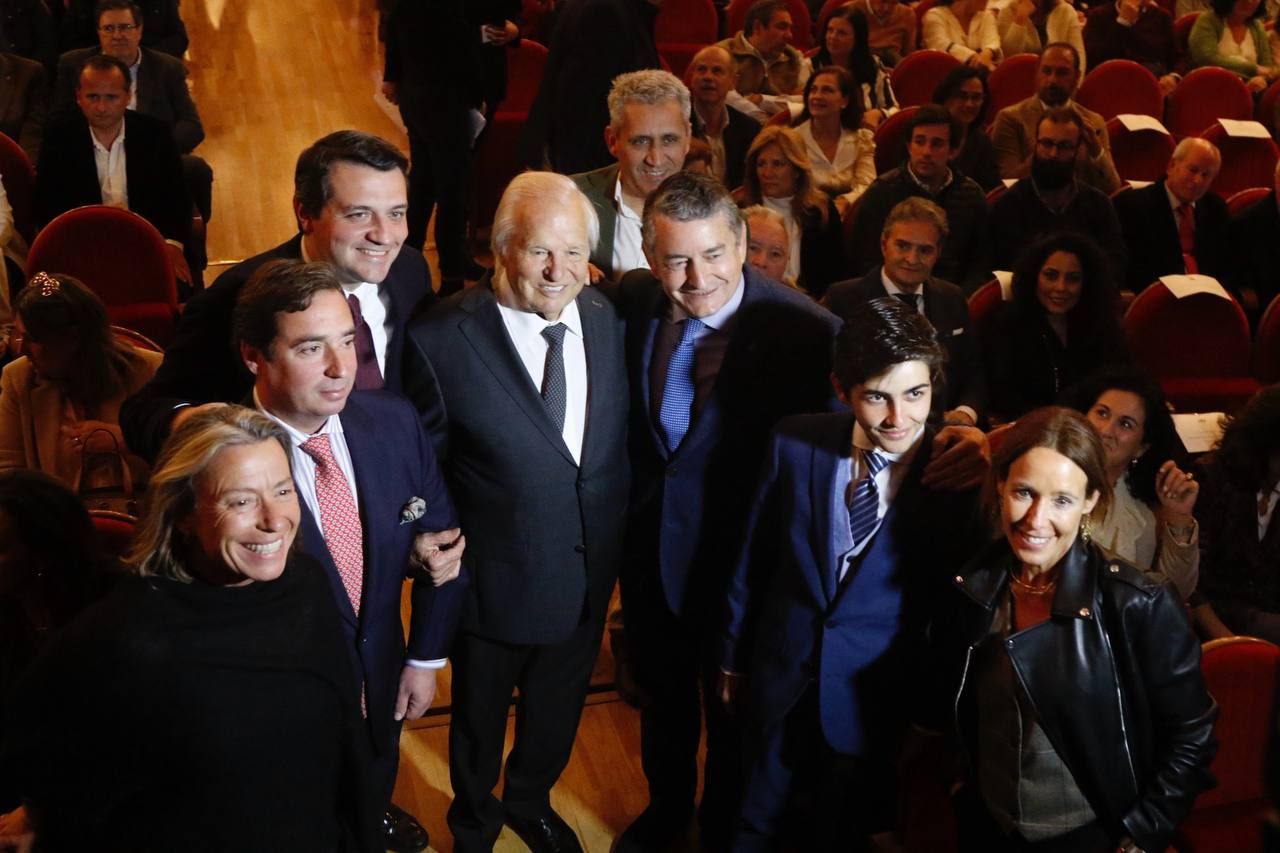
648 134
375 505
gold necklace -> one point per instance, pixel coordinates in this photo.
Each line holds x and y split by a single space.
1034 589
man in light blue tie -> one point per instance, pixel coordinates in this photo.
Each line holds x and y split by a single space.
846 550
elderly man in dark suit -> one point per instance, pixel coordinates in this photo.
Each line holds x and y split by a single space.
374 505
24 101
911 242
1176 225
350 201
716 353
522 384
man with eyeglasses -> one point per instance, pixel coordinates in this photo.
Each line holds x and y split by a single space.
1053 198
1014 131
159 89
165 30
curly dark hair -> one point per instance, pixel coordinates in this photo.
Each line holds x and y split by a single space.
1096 316
851 115
1158 432
1250 440
957 77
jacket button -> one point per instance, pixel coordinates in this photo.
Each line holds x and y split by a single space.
581 549
1008 644
959 578
1084 612
1114 568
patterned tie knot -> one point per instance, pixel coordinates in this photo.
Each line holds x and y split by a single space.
554 334
689 330
875 462
319 449
909 299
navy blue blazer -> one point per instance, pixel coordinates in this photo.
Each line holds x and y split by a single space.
689 510
394 463
790 620
203 366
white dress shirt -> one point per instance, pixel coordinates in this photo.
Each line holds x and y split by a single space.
112 178
888 482
374 307
525 329
628 246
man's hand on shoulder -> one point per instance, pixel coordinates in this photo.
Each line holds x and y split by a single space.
959 460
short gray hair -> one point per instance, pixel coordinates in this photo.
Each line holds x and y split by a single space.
689 197
544 191
649 86
159 547
1186 145
917 209
749 213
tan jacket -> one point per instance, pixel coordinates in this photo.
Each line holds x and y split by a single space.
781 77
1014 138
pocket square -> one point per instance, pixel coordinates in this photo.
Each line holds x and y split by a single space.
955 332
413 510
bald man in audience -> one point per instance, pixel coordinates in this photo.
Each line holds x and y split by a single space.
350 201
1176 225
768 246
728 131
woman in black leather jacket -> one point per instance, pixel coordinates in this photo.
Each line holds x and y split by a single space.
1078 698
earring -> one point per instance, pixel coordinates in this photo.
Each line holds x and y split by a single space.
1086 527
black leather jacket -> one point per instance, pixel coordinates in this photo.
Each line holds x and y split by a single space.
1114 678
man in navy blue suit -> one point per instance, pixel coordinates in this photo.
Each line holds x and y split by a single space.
846 551
375 506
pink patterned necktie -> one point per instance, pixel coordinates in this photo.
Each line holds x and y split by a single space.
339 517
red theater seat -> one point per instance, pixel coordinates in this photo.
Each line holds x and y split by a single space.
1141 155
891 140
19 178
1204 96
684 27
918 74
496 162
1246 162
1121 86
1266 345
1013 80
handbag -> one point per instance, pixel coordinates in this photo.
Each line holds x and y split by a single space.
104 480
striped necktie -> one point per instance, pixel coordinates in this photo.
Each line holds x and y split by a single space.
864 508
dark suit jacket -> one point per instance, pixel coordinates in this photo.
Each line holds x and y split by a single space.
162 93
543 532
1151 233
948 311
24 101
598 186
689 510
822 255
450 75
1150 41
738 135
162 30
1256 250
66 176
202 365
792 622
393 463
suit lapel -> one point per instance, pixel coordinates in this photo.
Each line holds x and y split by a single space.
487 335
650 336
826 459
313 543
369 466
145 85
592 308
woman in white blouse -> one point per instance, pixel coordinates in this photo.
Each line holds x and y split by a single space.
1150 522
846 44
841 151
1026 26
965 29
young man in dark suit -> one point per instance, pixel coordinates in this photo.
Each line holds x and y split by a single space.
350 200
522 384
374 505
912 240
844 556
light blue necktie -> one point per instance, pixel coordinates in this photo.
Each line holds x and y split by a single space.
864 509
679 391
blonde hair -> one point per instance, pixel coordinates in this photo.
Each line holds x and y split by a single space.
808 199
171 495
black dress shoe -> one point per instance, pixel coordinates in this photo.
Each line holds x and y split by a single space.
547 833
656 830
401 831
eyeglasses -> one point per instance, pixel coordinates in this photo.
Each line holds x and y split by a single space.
112 29
1062 146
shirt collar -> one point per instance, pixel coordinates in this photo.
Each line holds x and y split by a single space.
623 209
1175 202
119 140
701 123
892 288
533 324
332 424
720 319
922 185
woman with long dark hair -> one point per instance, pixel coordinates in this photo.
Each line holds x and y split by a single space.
845 43
965 95
1232 35
841 152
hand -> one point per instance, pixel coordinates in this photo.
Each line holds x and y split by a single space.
958 417
1091 143
728 686
1257 84
500 35
417 692
78 432
15 832
440 553
960 459
1177 491
595 275
871 119
842 205
181 415
178 261
389 92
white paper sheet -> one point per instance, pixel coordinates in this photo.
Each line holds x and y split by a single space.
1244 129
1199 432
1005 277
1183 286
1134 122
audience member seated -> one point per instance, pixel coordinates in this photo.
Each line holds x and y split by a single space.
1137 30
768 243
28 29
1150 522
1239 590
60 401
767 65
219 675
780 177
1255 252
1093 732
25 102
1052 198
159 89
700 159
966 29
1231 35
726 130
1061 326
165 30
841 151
913 236
109 154
648 134
1014 131
845 44
1026 26
932 139
965 95
1176 225
891 28
13 260
342 172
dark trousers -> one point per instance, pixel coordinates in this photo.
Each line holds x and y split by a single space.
198 177
675 667
385 766
552 680
800 790
979 833
439 157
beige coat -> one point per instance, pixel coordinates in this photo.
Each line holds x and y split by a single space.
1014 138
